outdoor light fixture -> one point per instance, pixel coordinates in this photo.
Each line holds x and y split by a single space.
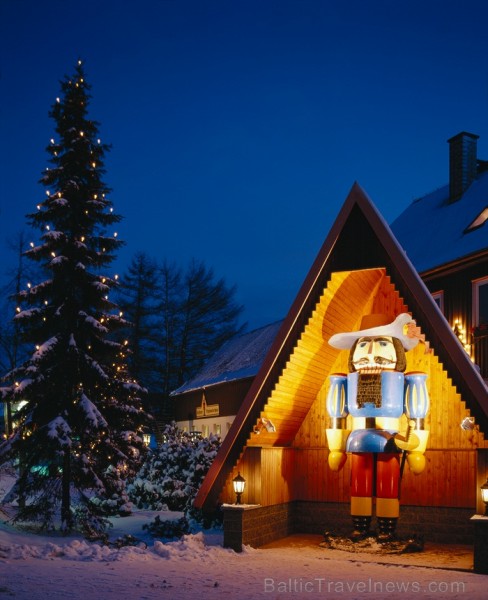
468 423
239 484
484 496
264 423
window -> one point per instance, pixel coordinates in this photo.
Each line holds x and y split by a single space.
439 300
479 221
480 302
217 428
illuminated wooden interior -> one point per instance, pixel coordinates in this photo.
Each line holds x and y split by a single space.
291 463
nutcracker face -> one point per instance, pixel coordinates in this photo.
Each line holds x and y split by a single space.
374 353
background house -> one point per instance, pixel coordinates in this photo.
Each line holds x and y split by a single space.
445 236
209 402
288 481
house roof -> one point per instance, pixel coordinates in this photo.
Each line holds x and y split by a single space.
359 249
238 358
449 238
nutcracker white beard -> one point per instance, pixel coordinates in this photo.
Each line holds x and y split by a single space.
369 389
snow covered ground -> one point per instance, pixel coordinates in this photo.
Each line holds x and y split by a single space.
34 567
48 567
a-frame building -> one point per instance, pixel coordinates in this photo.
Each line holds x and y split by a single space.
360 269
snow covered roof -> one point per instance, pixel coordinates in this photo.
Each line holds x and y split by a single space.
434 232
238 358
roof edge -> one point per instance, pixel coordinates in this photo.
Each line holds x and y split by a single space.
453 356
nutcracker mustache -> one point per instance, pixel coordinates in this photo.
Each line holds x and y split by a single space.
377 361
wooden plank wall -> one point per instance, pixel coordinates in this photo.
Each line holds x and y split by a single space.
277 471
269 474
249 466
481 477
296 390
449 478
300 470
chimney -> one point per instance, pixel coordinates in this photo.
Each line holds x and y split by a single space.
462 163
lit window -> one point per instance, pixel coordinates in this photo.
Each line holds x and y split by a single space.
439 300
480 302
479 221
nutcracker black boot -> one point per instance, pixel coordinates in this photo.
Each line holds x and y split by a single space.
386 528
361 527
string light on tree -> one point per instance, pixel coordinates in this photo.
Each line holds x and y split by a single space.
74 178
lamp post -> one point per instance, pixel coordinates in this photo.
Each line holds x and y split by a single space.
484 496
239 484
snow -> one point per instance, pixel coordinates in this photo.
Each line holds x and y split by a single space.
60 201
448 240
59 429
92 413
45 347
94 322
197 566
58 260
102 287
27 314
238 358
35 567
54 235
22 386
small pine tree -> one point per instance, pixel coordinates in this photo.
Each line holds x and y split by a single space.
78 433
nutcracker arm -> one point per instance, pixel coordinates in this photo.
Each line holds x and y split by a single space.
417 405
416 398
336 401
337 433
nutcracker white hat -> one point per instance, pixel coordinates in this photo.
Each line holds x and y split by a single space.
375 325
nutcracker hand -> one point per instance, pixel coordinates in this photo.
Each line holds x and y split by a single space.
336 460
416 462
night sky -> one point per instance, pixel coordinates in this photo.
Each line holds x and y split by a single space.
239 126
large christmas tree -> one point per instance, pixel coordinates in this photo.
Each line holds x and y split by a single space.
78 431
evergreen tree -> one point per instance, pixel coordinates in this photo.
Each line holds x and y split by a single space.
139 301
208 318
181 317
170 277
79 432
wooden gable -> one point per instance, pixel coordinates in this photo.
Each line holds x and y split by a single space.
360 269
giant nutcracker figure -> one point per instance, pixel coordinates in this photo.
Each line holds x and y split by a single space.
376 393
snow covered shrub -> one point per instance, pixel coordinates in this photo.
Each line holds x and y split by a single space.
116 501
146 495
172 473
169 528
92 527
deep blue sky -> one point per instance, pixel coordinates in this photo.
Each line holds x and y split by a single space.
239 126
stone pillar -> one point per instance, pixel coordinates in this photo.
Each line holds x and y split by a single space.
480 520
480 544
236 524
